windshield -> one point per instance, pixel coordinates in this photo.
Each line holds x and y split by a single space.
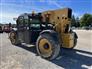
34 23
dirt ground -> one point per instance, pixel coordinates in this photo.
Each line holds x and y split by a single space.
24 57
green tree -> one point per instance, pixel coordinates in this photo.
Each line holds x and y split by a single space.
77 22
73 21
86 20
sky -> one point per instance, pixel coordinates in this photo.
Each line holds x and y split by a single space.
10 9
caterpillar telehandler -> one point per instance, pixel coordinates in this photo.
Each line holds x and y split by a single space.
48 31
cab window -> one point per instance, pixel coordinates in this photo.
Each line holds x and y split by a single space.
26 20
20 21
34 23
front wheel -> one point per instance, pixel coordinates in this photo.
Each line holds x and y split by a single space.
47 46
14 39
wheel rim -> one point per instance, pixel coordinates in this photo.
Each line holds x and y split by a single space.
45 48
12 38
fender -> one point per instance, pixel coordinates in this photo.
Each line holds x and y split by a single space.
14 30
48 31
51 32
75 35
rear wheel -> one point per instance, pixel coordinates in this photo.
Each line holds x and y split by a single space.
75 43
14 39
75 40
47 46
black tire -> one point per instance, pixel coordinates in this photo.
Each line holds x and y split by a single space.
14 39
75 40
54 43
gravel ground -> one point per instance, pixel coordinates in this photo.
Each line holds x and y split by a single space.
25 57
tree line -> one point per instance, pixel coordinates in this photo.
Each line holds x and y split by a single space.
85 20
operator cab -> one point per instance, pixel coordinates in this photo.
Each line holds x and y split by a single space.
29 26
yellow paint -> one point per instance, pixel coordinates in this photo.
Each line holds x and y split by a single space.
60 19
68 40
42 49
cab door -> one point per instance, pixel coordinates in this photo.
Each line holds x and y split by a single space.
35 29
26 29
23 29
